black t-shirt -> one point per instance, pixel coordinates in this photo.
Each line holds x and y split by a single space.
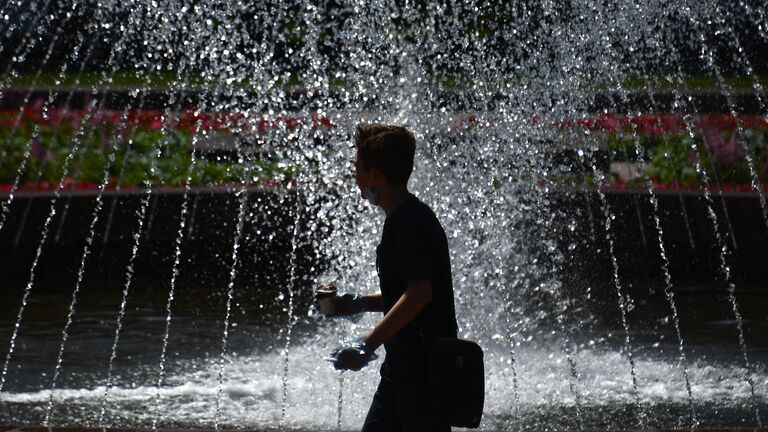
413 246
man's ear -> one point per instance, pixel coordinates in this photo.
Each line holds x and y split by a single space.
377 176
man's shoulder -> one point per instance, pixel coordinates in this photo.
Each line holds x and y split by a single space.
416 216
426 213
414 210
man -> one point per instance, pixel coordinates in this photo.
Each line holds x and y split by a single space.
413 264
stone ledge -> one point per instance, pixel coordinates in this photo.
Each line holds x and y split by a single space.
92 429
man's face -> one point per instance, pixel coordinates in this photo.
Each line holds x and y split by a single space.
362 176
368 179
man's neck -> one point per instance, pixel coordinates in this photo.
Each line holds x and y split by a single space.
392 197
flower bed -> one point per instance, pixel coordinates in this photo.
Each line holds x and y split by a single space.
720 142
139 139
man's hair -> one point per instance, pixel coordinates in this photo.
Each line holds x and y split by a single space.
388 148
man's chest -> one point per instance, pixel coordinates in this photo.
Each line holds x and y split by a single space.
389 266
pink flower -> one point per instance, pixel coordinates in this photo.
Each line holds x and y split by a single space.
723 150
37 149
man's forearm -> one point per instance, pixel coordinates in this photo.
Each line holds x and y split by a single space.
418 294
373 303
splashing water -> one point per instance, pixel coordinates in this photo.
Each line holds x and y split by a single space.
281 85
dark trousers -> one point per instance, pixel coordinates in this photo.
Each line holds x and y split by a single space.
399 408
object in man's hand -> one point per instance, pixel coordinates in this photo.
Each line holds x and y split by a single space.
352 355
348 306
326 301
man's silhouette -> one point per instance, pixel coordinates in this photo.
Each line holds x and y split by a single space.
414 269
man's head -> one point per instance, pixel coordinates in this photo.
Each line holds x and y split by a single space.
384 154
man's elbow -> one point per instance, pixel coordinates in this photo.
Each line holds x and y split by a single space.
428 294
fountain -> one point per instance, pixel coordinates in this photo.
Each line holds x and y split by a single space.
175 178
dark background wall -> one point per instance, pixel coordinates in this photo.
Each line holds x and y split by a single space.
491 22
694 261
264 255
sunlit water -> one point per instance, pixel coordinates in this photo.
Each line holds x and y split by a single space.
252 375
426 67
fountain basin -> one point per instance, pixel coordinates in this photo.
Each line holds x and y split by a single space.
208 238
92 429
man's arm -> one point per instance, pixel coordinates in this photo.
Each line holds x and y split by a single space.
373 303
417 295
348 304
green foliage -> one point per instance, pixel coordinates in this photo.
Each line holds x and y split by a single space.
671 157
134 155
698 82
673 161
757 144
128 78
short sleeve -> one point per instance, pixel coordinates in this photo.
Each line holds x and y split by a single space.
413 249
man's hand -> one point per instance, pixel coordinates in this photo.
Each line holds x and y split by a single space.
352 355
331 304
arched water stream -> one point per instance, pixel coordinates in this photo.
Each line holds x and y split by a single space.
515 106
